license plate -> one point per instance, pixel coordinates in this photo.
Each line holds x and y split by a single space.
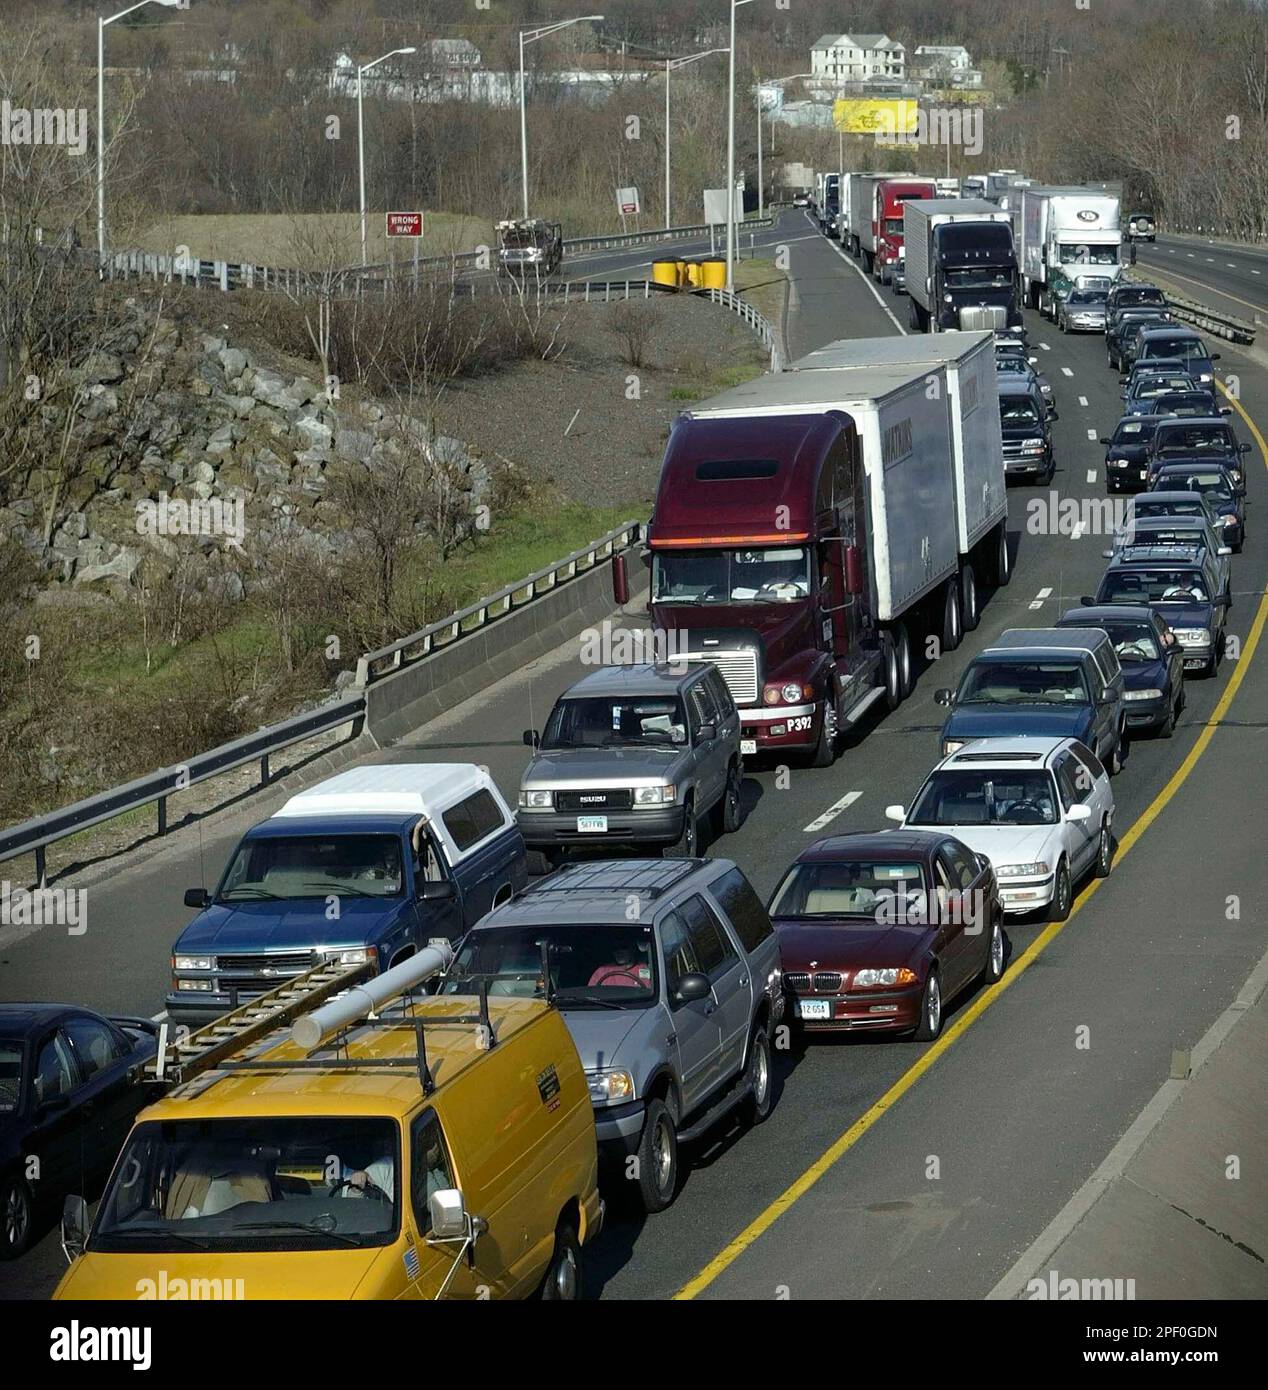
748 745
592 825
814 1008
1194 663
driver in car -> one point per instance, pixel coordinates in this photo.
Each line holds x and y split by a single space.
624 971
376 1179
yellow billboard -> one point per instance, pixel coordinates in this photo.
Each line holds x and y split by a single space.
875 116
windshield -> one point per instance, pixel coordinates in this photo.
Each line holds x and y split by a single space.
1161 585
314 866
1088 297
1018 410
1144 507
1135 431
1134 642
731 576
256 1183
1184 403
1184 348
1150 386
1215 483
609 964
843 890
1080 253
1022 683
1195 439
998 796
1124 298
597 721
893 226
10 1075
983 277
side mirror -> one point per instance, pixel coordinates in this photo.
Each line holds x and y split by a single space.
1052 413
1079 812
706 732
1107 554
531 738
448 1214
1226 410
691 987
1032 359
1215 357
896 813
1106 440
1224 550
1241 448
438 890
620 581
944 697
74 1227
197 897
1087 601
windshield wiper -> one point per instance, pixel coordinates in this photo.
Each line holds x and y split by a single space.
256 892
337 888
311 1227
125 1232
565 997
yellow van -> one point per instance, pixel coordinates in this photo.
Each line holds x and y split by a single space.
371 1150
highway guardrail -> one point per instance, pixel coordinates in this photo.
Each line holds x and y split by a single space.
1200 315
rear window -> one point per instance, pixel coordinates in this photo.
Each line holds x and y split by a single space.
472 819
741 904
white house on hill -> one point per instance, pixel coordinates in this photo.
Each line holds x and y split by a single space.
854 57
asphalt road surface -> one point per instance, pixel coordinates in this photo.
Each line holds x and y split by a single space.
888 1168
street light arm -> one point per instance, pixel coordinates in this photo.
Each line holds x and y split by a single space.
673 64
124 13
384 59
532 35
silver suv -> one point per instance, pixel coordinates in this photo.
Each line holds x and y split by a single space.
633 755
669 978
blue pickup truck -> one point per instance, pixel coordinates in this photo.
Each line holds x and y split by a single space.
370 864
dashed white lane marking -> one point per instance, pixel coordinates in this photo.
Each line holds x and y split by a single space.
1230 265
832 812
1037 601
1254 272
1091 434
1065 371
1091 475
1083 400
1045 347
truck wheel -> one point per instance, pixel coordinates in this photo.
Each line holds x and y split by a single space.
562 1283
889 672
757 1105
902 649
657 1158
825 753
968 597
913 317
1002 570
952 623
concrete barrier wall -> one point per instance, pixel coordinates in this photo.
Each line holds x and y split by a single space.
398 704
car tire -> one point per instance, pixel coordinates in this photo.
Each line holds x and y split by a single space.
732 811
930 1024
825 753
952 619
969 613
17 1216
1062 895
889 672
541 861
902 650
1104 852
1114 763
562 1280
1052 469
687 846
996 954
657 1158
756 1107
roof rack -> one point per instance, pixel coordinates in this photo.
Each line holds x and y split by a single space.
655 878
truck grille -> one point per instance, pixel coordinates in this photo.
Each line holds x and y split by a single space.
992 318
739 670
613 799
260 971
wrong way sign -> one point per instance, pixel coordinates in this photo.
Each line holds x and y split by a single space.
405 224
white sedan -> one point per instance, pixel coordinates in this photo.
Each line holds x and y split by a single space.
1040 809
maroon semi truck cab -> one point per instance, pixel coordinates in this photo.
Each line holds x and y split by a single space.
891 195
757 566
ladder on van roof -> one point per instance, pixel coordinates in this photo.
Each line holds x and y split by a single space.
187 1056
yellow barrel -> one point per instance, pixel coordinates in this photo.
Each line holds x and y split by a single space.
712 275
665 273
693 273
683 277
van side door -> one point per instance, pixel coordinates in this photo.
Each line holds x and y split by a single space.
431 1169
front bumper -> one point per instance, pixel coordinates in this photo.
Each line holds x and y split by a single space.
1198 658
1122 475
645 825
1148 714
771 727
877 1011
1026 895
618 1128
1023 465
194 1011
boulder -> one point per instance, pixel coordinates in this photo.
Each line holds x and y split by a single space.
101 366
122 567
353 446
234 361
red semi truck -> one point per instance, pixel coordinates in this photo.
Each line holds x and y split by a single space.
876 219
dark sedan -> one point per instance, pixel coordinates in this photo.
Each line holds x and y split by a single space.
70 1086
879 932
1126 453
1151 658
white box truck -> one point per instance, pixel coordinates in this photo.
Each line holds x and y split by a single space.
961 266
863 227
1070 239
981 497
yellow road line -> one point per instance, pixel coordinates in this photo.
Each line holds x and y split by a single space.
766 1219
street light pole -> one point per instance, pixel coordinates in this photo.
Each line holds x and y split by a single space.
528 36
730 155
772 82
361 72
102 21
670 65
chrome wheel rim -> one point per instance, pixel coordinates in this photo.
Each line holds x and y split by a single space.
997 951
830 721
662 1156
933 1012
1105 847
761 1075
566 1276
1063 891
16 1217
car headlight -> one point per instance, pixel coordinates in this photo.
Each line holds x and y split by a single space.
196 986
890 975
349 955
653 796
1235 474
536 800
1032 446
610 1087
193 962
1038 869
1193 636
1142 694
791 692
952 745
